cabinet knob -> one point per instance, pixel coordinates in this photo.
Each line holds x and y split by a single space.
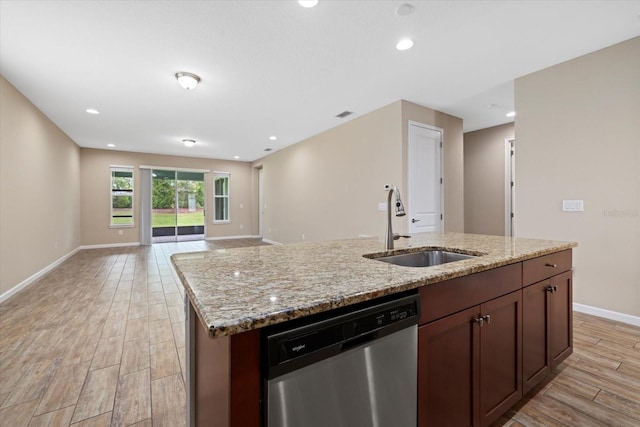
487 319
551 265
549 289
480 321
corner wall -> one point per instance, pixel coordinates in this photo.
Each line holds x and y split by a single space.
329 186
39 190
96 194
578 137
484 179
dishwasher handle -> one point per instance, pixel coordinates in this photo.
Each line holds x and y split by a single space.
363 339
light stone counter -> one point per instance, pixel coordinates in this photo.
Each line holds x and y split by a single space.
236 290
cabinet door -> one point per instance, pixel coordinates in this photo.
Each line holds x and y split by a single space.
535 337
500 356
448 370
560 318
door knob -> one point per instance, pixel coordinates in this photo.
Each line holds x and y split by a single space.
413 220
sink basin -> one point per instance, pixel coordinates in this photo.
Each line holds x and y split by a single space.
425 258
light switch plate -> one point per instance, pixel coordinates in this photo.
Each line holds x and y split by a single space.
573 205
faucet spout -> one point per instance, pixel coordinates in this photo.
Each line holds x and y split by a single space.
399 212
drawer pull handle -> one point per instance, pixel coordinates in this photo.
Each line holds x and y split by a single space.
551 265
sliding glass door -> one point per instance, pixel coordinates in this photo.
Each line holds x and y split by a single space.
177 206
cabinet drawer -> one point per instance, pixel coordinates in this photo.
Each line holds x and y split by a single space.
451 296
537 269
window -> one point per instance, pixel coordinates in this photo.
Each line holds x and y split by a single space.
121 196
220 197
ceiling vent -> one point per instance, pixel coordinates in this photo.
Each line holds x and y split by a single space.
344 114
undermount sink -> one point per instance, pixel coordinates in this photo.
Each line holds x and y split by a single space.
426 258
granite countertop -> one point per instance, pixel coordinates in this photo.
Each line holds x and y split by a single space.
237 290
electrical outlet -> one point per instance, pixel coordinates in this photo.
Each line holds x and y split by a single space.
119 232
573 205
241 226
382 206
302 236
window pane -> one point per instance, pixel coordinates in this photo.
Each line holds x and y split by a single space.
221 209
221 185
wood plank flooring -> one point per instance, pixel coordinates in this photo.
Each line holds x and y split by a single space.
598 385
99 341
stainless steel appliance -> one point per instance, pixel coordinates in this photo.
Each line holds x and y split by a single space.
357 368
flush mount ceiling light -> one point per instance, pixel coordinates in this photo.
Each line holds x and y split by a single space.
187 80
308 3
511 114
92 111
189 142
404 9
404 44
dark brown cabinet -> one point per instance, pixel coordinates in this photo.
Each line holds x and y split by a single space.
469 364
547 327
547 317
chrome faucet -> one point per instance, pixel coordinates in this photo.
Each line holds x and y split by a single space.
399 212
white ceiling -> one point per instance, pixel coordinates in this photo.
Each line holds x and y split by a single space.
275 68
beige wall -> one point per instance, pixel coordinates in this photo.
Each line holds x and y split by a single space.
95 194
329 186
484 179
578 137
39 190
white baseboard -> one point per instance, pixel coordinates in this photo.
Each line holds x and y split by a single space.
607 314
32 279
248 236
271 242
110 245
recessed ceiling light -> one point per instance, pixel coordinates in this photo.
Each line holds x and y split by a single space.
92 111
511 114
273 138
404 9
308 3
236 157
404 44
187 80
111 145
189 142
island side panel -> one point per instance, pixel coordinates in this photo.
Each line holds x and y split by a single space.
223 378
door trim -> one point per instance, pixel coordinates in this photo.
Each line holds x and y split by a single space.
509 191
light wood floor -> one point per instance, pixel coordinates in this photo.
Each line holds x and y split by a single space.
99 341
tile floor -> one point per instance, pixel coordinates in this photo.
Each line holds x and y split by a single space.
99 341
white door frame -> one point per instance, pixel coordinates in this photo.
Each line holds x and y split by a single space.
437 129
509 185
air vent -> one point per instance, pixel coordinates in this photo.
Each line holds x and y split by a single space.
344 114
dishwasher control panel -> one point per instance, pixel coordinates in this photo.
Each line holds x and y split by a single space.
318 339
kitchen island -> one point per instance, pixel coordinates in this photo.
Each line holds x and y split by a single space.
233 293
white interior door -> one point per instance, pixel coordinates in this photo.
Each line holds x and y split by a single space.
260 201
425 199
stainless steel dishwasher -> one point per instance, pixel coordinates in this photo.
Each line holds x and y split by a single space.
357 368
